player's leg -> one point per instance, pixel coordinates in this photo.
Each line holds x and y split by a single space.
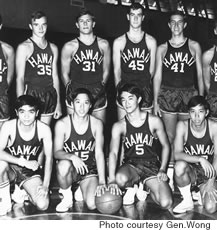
160 192
65 170
4 109
32 187
184 177
100 114
46 119
88 188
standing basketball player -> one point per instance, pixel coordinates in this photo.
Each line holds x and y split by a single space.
79 150
209 60
21 142
134 58
177 62
195 149
140 131
6 76
36 67
85 64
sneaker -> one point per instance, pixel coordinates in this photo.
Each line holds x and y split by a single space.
141 194
197 196
78 194
129 196
66 202
184 206
19 195
5 207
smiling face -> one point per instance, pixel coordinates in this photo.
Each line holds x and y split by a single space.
27 115
198 115
82 104
177 24
129 101
85 24
39 27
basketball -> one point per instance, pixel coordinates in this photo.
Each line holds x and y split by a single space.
108 203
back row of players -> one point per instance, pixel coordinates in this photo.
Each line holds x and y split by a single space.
165 76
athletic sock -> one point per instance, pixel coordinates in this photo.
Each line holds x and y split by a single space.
186 192
67 193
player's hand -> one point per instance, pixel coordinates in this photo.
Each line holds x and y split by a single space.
157 111
57 112
162 176
207 167
42 191
100 189
114 189
33 165
79 165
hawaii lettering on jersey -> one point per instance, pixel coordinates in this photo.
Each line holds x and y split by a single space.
213 70
25 151
81 148
199 149
178 57
88 55
138 138
43 62
3 68
135 53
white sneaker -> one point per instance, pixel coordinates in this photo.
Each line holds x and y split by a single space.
5 207
66 202
197 196
184 206
19 195
141 194
78 194
129 196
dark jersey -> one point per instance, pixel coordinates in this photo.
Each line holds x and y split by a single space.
29 150
135 62
3 72
87 64
81 145
179 67
38 72
139 142
213 73
202 147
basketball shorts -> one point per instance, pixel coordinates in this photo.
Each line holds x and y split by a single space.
144 171
199 173
4 108
147 95
23 174
97 90
47 98
175 100
212 100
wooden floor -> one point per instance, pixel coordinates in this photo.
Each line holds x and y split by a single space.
140 210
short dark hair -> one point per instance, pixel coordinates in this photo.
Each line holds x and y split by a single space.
82 91
130 88
27 100
177 12
37 15
85 11
136 6
198 100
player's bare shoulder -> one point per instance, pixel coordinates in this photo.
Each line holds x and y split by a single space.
213 127
208 54
43 129
7 49
162 49
120 42
25 48
150 40
194 46
53 47
71 46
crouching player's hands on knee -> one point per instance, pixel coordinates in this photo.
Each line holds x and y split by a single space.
114 189
79 165
207 167
162 176
33 165
101 189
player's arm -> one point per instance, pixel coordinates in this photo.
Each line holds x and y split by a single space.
20 63
206 59
104 46
161 50
198 58
9 56
152 46
99 155
48 152
56 83
116 57
66 56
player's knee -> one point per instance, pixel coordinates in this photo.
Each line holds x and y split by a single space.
91 203
180 168
166 203
121 179
63 168
42 204
3 167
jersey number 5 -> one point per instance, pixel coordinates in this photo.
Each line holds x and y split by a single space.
139 149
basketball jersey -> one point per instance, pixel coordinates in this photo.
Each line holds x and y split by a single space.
87 64
139 142
135 62
178 67
213 73
83 145
38 73
3 72
202 147
29 150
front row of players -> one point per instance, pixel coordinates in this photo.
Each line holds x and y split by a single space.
78 149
